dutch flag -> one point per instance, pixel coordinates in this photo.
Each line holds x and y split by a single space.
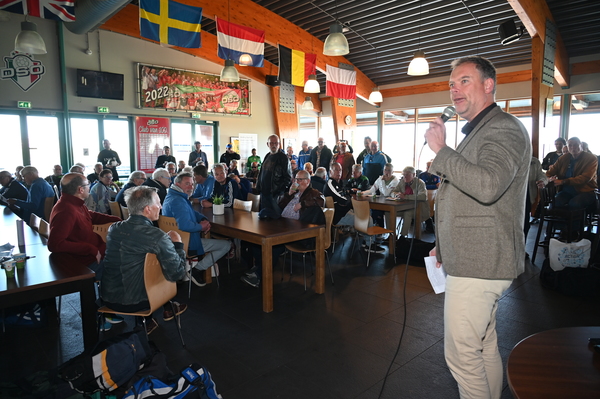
235 40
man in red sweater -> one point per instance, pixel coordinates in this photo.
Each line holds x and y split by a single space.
71 231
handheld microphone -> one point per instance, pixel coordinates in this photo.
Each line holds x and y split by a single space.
448 113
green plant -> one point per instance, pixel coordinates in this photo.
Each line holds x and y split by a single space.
218 200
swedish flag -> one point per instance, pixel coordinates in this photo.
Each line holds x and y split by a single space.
167 21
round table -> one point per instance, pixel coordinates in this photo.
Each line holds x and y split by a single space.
557 363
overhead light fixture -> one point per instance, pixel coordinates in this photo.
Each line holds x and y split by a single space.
229 73
245 60
29 40
419 66
375 96
509 33
336 43
312 85
308 104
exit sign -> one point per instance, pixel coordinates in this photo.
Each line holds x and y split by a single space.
103 110
196 115
24 104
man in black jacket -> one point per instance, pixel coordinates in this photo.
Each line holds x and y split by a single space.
274 178
321 156
11 188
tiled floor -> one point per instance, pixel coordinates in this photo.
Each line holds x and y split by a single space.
336 345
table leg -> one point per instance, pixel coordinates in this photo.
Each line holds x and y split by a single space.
87 296
391 225
267 275
320 263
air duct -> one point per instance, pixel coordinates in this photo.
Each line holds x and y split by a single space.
93 13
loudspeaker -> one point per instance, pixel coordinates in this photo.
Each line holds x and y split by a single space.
509 33
272 80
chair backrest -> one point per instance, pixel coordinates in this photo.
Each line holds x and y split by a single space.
115 209
44 229
101 230
167 223
56 191
243 205
361 215
48 205
124 212
329 212
329 202
255 201
34 222
158 288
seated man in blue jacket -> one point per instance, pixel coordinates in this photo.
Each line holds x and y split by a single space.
178 206
39 190
204 184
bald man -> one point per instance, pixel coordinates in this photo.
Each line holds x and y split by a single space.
274 178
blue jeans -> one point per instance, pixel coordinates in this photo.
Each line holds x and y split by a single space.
580 201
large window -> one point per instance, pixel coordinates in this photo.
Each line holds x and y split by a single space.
398 137
11 139
117 132
44 150
585 119
181 141
84 136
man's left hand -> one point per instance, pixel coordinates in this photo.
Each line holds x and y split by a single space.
297 207
205 226
11 201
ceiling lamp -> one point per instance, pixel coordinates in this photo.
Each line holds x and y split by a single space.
245 60
419 66
29 40
308 104
336 43
375 96
229 73
312 85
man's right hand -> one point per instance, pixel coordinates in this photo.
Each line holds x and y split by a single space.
205 226
174 236
98 257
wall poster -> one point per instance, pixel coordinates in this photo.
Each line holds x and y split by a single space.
152 134
180 90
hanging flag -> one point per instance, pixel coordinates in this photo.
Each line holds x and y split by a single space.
295 66
167 21
235 40
48 9
341 83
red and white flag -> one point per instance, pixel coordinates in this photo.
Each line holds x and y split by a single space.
49 9
341 83
235 40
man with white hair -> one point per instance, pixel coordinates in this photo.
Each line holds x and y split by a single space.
409 188
93 177
54 178
161 180
11 188
318 180
303 155
39 190
136 178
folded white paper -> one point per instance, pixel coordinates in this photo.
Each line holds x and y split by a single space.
436 275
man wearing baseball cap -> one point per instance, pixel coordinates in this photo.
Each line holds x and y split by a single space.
229 155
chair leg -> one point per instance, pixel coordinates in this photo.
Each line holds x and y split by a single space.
283 265
335 235
304 266
369 251
329 266
537 238
177 323
59 308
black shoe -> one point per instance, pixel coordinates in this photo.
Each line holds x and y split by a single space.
375 249
198 277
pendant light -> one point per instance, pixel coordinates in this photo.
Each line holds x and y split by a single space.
336 43
245 60
229 73
308 104
375 96
312 84
419 66
29 40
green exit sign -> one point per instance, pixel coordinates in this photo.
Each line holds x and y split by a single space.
24 104
196 115
103 110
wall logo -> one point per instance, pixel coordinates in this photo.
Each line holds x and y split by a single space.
22 69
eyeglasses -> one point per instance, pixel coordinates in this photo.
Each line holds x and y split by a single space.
301 178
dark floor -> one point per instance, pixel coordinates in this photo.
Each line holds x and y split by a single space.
336 345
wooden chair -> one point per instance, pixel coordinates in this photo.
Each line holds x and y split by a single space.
115 209
297 248
329 202
167 223
361 225
44 229
48 205
255 201
159 291
124 212
101 230
56 191
243 205
34 222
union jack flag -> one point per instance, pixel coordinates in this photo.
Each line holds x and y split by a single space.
49 9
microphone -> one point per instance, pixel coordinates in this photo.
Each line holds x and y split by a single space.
448 113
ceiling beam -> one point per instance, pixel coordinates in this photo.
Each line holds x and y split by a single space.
245 12
533 15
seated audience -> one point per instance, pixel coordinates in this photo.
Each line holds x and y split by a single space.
553 156
384 185
18 176
54 178
244 185
180 166
336 188
122 288
100 193
11 188
172 169
309 168
161 180
536 179
252 174
409 188
92 177
79 169
358 181
294 166
136 178
432 182
204 184
234 168
224 187
318 180
39 190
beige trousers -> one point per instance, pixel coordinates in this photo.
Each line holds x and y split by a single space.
470 341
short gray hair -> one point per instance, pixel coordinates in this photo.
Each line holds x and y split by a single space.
138 174
408 169
139 197
180 176
160 172
321 172
28 170
357 166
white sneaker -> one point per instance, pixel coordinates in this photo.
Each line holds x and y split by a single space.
187 275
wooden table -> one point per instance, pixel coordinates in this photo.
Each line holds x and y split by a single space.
555 364
48 276
267 233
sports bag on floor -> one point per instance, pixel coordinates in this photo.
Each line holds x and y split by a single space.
193 382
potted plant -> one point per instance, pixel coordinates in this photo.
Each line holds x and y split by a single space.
218 206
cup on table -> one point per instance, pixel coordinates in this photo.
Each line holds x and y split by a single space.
9 268
20 260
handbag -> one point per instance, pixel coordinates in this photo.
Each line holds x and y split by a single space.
569 254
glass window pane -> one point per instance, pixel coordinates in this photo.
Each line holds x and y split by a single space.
84 136
398 137
205 135
117 132
326 132
11 138
44 150
182 143
308 132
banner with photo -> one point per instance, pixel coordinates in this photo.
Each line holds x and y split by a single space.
180 90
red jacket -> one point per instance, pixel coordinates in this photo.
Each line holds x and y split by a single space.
71 229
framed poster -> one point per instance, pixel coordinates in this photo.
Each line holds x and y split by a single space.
180 90
152 134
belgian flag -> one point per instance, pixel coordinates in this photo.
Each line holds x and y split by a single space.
295 66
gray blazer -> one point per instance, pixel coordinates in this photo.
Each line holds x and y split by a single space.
480 205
